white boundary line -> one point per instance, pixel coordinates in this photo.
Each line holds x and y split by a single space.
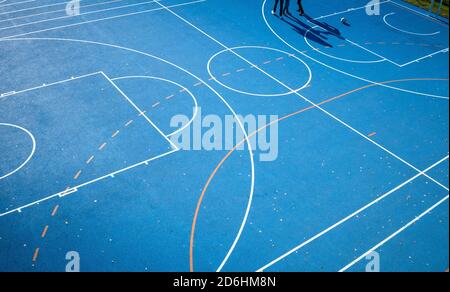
405 31
78 187
383 58
35 7
59 10
79 15
346 11
425 57
33 148
419 13
338 70
337 224
110 175
380 59
305 99
387 239
174 83
14 92
100 19
16 3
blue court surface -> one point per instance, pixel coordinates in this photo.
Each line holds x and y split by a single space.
91 161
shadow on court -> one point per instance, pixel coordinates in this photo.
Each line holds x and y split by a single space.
319 33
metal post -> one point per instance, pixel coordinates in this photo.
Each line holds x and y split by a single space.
431 6
440 7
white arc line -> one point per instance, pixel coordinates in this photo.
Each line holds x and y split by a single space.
33 149
405 31
412 222
337 224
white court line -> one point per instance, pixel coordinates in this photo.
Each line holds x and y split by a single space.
79 15
425 57
412 222
16 92
101 19
371 52
59 10
305 99
225 102
33 149
405 31
419 13
383 58
78 187
176 84
348 10
141 113
16 3
36 7
337 224
303 53
110 175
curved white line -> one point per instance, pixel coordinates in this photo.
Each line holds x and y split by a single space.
241 126
340 71
176 84
405 31
32 150
334 57
258 47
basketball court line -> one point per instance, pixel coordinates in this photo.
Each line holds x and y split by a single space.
393 235
382 58
347 10
301 96
33 149
80 15
16 3
102 19
405 31
305 99
225 102
55 11
110 175
173 83
38 7
419 13
44 6
336 69
337 224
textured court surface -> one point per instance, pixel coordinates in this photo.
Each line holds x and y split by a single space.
87 164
